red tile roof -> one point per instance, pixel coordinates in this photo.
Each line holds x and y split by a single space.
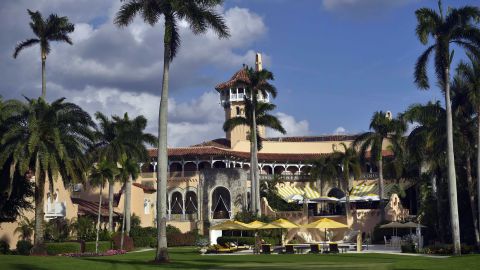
239 77
145 188
89 208
323 138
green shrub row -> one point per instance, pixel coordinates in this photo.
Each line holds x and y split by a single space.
65 247
243 240
447 249
24 247
102 246
145 241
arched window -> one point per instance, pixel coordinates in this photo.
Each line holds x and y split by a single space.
219 164
221 203
177 203
191 203
336 192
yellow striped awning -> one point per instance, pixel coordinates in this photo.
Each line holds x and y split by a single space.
287 192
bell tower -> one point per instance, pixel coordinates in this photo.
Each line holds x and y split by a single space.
232 95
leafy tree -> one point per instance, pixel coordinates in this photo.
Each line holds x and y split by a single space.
383 129
456 27
201 16
51 138
53 28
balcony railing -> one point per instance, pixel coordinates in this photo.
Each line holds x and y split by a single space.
178 174
55 209
286 177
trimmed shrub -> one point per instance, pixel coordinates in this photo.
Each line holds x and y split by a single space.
103 246
24 247
127 242
408 248
181 239
447 249
250 241
4 247
61 248
144 241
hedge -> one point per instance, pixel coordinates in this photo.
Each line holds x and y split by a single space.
24 247
102 246
145 241
61 248
243 240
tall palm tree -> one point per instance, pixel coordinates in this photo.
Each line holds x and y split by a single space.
349 163
129 170
457 27
470 74
51 138
99 175
53 28
201 16
262 118
383 129
256 84
323 169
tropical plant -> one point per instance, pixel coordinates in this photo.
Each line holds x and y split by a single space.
201 16
383 129
53 28
457 27
25 228
256 84
349 162
469 72
51 138
324 169
99 175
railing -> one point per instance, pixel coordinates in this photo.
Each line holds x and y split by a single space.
286 177
55 209
368 176
170 174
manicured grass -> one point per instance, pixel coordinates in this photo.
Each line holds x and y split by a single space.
188 258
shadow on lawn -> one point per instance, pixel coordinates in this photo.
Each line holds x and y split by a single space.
19 266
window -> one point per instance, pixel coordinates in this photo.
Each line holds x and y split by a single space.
238 110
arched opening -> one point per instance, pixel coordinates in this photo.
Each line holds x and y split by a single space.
246 167
190 167
238 165
219 164
176 203
175 169
204 165
278 170
292 170
267 169
305 170
336 192
221 203
146 167
191 205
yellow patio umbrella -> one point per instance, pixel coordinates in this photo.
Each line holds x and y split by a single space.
325 223
280 224
230 225
255 225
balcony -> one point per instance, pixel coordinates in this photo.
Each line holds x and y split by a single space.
55 210
177 174
286 177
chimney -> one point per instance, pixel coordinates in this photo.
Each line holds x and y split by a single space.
258 61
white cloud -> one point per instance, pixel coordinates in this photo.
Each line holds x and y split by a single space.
340 131
291 125
362 7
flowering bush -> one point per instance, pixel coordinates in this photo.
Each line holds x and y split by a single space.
110 252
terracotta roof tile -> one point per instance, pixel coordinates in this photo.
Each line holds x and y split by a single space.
145 188
90 208
239 76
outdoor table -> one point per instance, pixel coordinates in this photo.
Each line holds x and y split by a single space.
301 248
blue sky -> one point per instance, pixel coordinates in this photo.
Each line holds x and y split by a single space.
335 62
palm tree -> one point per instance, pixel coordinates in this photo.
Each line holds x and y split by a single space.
116 138
99 175
129 170
256 84
470 74
349 163
201 16
262 118
53 28
323 169
25 228
383 129
52 138
458 28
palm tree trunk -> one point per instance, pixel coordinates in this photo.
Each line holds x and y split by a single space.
44 80
255 159
478 168
162 252
123 228
471 191
452 180
98 217
39 248
320 185
128 204
110 206
381 188
253 202
347 199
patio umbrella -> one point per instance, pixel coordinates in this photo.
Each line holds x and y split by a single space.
394 225
230 225
280 224
325 199
255 225
325 223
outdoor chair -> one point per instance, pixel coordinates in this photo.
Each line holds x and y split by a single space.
387 243
314 248
266 249
333 248
289 249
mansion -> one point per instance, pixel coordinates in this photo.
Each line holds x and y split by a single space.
210 182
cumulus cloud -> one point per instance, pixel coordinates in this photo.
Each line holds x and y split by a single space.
291 125
362 7
117 70
340 131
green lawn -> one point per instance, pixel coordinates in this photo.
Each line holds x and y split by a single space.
187 258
